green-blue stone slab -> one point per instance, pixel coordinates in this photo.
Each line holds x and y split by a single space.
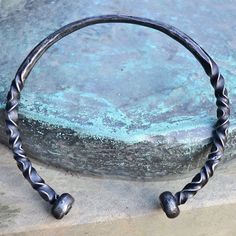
117 99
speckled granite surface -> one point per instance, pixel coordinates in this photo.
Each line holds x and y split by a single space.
118 99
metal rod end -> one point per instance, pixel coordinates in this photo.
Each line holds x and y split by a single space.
62 205
169 204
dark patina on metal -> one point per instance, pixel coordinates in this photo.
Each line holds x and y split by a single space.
62 204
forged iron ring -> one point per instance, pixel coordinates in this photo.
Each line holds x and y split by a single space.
169 202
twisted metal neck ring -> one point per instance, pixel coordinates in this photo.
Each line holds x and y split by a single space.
61 205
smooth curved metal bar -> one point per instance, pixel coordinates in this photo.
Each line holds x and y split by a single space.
169 202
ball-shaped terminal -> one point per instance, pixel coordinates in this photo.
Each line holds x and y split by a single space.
169 204
62 205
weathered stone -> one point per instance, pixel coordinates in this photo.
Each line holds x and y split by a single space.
10 6
118 99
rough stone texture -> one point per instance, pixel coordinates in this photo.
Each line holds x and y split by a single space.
118 99
10 6
114 207
95 156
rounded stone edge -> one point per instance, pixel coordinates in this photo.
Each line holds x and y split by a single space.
169 204
62 205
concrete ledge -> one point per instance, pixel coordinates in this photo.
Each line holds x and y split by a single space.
114 207
196 223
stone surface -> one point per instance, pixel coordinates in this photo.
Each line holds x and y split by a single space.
114 207
118 99
8 7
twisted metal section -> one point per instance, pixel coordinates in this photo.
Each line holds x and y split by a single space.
23 163
219 139
61 204
169 202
